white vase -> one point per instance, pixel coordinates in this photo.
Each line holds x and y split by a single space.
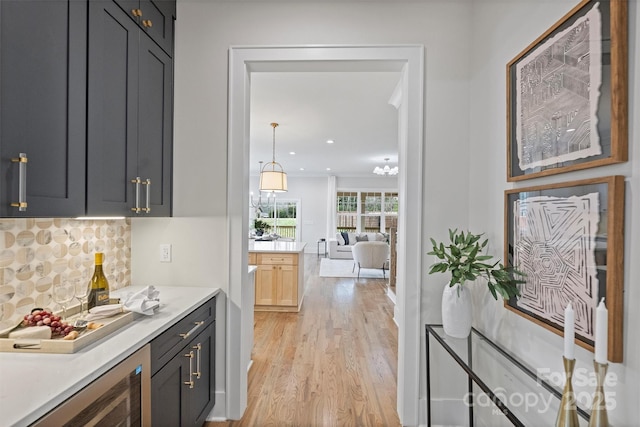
456 311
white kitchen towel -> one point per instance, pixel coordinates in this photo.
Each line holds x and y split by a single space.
144 301
102 311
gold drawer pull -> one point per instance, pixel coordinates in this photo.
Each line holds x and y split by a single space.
147 23
136 12
188 334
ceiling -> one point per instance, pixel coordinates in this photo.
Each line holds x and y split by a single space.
351 108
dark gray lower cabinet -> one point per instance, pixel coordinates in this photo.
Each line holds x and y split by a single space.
183 370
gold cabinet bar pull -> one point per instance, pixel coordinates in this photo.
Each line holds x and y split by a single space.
188 334
197 348
137 182
136 12
147 182
190 382
22 160
147 23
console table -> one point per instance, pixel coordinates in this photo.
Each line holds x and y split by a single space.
487 353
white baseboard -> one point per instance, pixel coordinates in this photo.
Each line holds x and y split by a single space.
391 296
219 411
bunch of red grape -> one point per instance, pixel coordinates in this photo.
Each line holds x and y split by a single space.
43 317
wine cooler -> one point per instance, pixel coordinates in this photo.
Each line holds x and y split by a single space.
120 397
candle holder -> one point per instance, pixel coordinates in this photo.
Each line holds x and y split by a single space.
568 413
599 417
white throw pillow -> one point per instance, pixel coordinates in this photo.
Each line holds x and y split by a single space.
339 239
352 239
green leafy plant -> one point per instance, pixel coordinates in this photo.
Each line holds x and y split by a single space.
260 225
463 257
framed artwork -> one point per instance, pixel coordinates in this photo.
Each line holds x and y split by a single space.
568 239
567 94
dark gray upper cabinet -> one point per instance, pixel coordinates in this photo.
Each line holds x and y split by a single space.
129 117
155 17
43 106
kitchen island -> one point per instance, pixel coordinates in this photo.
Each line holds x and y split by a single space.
279 280
33 384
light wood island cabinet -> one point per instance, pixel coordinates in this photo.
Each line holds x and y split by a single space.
279 280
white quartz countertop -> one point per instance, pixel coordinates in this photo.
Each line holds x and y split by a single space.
276 246
32 384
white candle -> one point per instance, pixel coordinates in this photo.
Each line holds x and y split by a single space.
569 332
601 333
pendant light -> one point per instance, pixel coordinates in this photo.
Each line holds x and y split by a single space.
272 176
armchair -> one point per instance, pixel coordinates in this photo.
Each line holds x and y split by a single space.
370 255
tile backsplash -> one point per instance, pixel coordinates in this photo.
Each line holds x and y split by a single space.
37 252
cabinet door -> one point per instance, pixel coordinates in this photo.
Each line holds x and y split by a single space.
112 110
266 276
157 21
202 396
43 104
155 17
169 392
155 125
287 285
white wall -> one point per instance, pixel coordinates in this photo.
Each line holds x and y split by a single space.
495 43
373 183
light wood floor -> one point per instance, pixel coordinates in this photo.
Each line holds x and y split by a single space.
332 364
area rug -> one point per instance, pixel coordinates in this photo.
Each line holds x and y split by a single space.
344 268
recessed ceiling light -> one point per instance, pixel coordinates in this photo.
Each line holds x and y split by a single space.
301 169
330 141
328 169
292 153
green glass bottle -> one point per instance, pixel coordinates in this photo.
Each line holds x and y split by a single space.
99 294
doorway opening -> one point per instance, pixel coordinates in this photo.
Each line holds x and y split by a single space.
410 61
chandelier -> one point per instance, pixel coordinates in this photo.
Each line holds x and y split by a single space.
386 170
272 176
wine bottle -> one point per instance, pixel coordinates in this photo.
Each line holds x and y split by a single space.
99 294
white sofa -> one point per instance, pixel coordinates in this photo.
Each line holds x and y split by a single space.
339 249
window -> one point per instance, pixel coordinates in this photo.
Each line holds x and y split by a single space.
390 211
371 212
347 214
282 217
366 211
